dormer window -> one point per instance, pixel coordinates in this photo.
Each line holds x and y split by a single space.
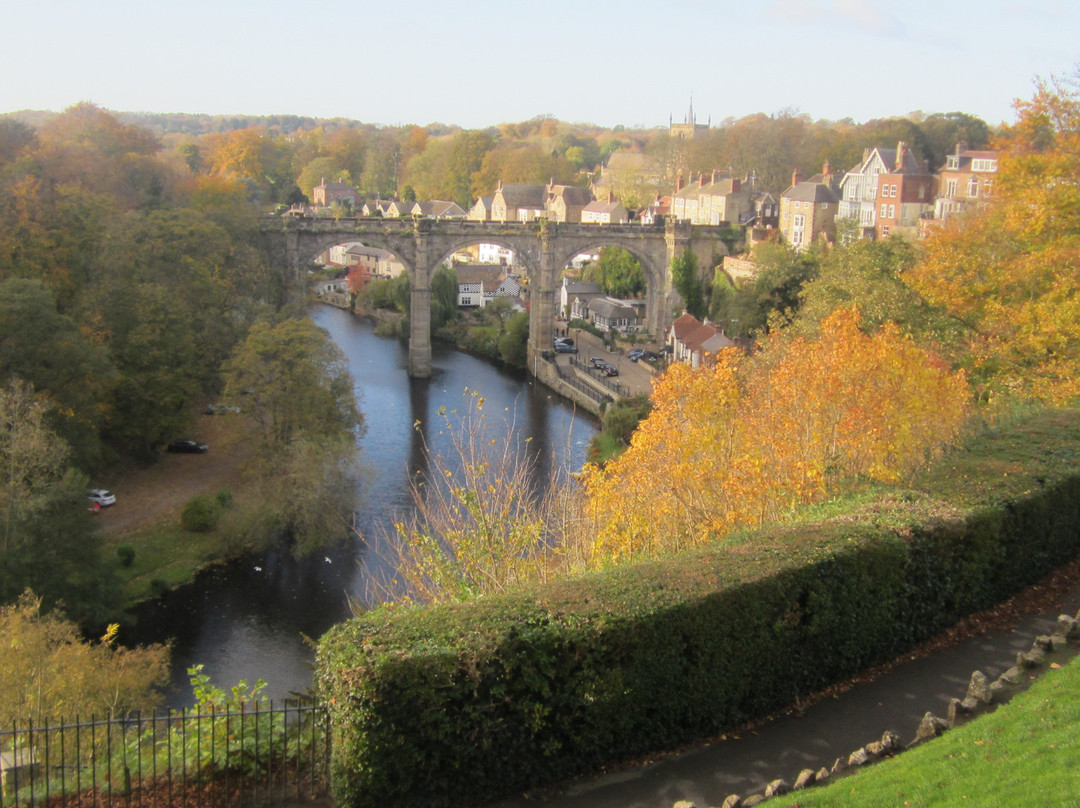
953 162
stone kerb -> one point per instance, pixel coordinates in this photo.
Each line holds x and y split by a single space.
982 696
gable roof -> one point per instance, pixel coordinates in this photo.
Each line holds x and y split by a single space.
807 191
523 195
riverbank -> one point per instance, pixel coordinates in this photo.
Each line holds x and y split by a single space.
149 501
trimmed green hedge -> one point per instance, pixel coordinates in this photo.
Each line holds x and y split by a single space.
462 703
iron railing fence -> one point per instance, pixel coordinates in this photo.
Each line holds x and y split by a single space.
246 757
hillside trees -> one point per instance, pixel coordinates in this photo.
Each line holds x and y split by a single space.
47 540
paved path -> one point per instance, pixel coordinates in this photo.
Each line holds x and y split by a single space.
835 726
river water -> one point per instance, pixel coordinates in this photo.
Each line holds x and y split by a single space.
253 619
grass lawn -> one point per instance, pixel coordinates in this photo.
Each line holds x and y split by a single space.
1025 753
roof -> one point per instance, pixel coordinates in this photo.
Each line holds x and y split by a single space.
571 194
581 287
684 325
439 209
479 273
603 207
810 192
610 308
519 196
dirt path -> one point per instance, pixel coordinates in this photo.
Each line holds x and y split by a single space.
156 494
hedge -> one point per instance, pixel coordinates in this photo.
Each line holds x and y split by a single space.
461 703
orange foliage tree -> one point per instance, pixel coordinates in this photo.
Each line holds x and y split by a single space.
1010 272
748 439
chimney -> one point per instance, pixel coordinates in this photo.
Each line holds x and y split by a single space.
901 150
678 183
961 146
610 197
701 180
714 173
736 186
796 177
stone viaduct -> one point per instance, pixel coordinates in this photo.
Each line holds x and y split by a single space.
544 248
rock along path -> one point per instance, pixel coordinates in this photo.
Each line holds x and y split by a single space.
893 697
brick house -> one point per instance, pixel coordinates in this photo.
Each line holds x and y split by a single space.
966 179
808 209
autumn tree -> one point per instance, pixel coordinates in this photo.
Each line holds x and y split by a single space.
746 440
1008 273
48 671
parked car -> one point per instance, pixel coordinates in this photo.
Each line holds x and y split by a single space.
101 497
608 370
187 446
221 409
636 354
562 347
564 340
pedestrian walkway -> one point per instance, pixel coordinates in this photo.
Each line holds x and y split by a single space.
743 763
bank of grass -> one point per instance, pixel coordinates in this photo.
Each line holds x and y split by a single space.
1024 753
166 555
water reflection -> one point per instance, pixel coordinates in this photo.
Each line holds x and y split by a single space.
250 620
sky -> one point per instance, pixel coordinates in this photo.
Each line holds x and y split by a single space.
481 63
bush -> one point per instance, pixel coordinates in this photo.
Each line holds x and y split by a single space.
224 498
126 554
201 514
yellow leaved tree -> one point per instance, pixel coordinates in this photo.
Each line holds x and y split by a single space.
1010 271
748 439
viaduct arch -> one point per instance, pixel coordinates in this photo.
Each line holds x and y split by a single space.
545 248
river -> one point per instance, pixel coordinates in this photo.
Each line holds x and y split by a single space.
255 618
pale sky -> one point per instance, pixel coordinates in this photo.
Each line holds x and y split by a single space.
480 63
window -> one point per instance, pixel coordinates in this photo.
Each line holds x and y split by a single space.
984 165
892 211
953 162
950 188
885 231
884 210
973 187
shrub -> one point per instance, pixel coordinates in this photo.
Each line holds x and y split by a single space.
201 514
126 554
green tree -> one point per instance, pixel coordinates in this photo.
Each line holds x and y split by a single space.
621 274
444 293
293 381
771 296
685 281
295 385
514 341
51 352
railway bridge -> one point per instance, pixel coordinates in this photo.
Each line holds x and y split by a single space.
543 247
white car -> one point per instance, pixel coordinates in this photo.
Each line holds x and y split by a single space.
101 497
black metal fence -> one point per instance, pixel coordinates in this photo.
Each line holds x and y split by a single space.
258 756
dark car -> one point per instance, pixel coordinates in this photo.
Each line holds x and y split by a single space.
636 354
562 347
188 447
